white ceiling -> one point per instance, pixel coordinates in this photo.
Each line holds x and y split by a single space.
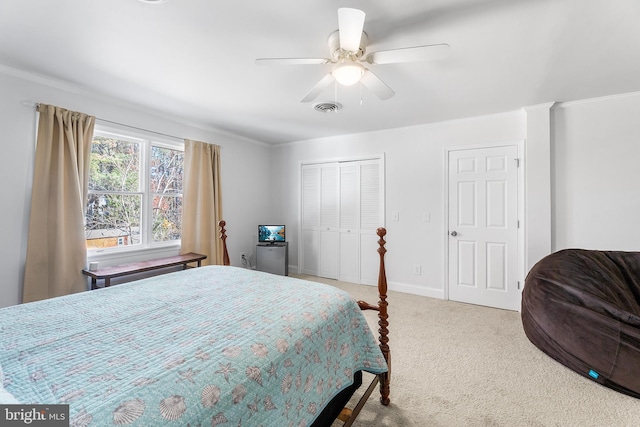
195 58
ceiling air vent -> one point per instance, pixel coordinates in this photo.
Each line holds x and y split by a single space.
327 107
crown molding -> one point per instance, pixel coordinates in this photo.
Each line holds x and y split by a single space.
84 91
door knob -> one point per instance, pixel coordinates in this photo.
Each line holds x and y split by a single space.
454 233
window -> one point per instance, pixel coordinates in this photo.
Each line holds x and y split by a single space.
135 193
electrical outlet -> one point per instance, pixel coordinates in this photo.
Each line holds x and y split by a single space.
417 269
244 260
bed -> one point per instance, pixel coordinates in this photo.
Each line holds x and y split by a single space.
215 345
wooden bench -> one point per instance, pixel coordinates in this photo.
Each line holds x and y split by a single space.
107 273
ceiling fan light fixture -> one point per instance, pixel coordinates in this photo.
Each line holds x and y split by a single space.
348 73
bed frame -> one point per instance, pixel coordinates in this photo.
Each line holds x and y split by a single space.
347 415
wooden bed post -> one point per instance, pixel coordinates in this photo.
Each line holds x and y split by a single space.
385 379
223 237
381 308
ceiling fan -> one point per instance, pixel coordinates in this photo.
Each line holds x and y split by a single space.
347 47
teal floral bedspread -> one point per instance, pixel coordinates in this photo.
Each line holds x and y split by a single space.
206 346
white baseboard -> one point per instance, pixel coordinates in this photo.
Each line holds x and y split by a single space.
399 287
416 290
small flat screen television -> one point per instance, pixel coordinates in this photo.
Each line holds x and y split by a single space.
271 234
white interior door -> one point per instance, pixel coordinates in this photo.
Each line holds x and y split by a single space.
371 217
310 220
342 206
329 215
349 245
482 225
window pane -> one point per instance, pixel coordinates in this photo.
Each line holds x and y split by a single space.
113 220
167 217
165 174
115 165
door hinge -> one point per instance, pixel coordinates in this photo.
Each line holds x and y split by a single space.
518 224
517 162
518 284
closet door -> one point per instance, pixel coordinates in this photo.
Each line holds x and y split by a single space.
371 205
349 243
310 232
342 207
329 185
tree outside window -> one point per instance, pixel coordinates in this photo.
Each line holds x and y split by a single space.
135 193
165 184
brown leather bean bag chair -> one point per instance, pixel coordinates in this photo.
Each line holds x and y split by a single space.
582 308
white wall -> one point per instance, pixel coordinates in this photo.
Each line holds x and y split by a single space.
582 177
596 174
537 185
415 165
595 196
245 181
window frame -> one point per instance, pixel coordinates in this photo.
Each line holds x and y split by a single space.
147 140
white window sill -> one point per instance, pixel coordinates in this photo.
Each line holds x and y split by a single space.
107 257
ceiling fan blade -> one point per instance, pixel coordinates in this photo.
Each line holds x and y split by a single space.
350 25
409 54
319 87
292 61
377 86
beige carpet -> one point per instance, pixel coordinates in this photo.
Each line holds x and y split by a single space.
457 364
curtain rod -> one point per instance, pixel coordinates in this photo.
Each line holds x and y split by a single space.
37 106
140 129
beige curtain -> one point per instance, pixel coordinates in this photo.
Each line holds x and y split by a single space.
56 247
202 201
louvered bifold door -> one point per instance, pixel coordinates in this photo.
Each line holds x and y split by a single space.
329 190
310 242
371 217
349 250
342 206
